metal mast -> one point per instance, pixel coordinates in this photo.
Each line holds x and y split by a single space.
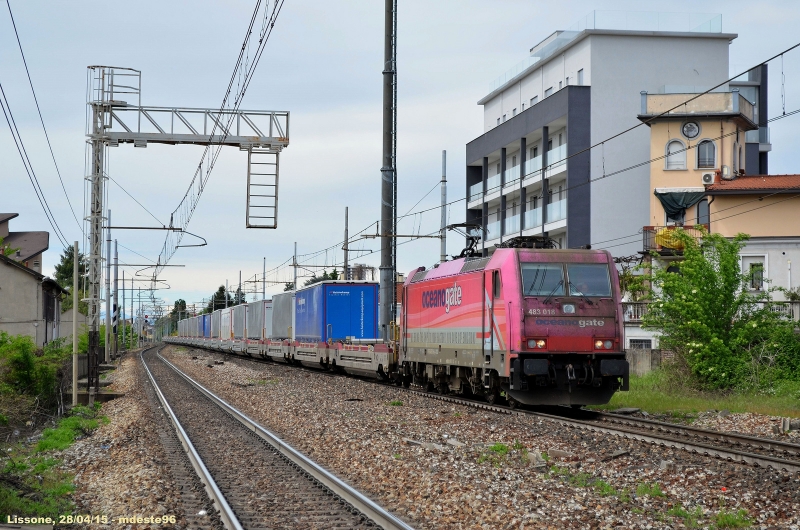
443 230
345 248
389 173
108 290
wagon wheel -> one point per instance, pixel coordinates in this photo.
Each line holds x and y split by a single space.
491 398
512 403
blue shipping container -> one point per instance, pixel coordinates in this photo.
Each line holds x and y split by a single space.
337 310
207 326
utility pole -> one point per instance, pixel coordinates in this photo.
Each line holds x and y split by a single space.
122 313
264 282
294 265
389 172
141 324
108 290
443 232
346 238
116 300
226 294
294 293
75 267
239 290
133 315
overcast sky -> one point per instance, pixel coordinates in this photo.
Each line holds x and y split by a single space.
323 64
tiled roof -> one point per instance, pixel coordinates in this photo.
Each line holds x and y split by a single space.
757 183
28 243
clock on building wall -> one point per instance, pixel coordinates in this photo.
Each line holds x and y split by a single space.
690 129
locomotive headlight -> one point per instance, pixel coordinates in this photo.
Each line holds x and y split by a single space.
598 344
607 344
568 309
533 343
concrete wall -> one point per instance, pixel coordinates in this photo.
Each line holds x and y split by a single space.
777 254
65 325
775 216
21 305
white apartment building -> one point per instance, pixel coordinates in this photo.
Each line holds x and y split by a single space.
532 172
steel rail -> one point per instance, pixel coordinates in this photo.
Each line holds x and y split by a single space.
226 513
735 438
358 500
732 455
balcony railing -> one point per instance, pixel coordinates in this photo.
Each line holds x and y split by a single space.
533 165
492 230
634 311
476 191
512 224
662 238
759 136
556 157
557 211
493 184
512 174
533 218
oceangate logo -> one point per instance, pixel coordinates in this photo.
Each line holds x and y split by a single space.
579 323
442 297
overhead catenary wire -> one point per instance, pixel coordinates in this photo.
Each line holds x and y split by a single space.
12 125
41 119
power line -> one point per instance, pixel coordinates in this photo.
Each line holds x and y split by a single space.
52 155
134 199
12 125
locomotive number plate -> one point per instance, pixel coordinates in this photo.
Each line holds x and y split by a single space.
541 311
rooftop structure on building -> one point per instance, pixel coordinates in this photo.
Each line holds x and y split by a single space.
29 246
534 170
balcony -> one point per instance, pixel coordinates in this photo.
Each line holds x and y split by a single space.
493 184
634 311
492 230
557 211
533 165
475 191
662 238
533 218
512 224
556 158
761 137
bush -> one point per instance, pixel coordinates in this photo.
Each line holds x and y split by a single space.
723 334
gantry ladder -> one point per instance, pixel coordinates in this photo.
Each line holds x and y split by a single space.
262 188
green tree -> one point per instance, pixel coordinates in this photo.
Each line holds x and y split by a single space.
288 286
218 300
65 267
723 331
6 250
334 275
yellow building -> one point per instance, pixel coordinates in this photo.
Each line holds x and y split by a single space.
697 178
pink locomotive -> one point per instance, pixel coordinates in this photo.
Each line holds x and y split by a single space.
538 326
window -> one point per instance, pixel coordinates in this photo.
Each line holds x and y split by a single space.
741 160
706 154
523 107
534 202
534 99
703 217
496 284
735 158
498 121
580 77
641 344
549 144
504 118
756 276
560 139
534 151
548 92
542 279
560 85
567 83
588 279
514 112
678 219
676 155
498 169
513 161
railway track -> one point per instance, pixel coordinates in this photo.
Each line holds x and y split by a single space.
743 449
254 479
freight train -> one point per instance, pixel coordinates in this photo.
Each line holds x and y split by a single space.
525 325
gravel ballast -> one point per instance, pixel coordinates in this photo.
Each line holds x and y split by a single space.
443 465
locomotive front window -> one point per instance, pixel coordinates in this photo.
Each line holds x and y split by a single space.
588 279
542 279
